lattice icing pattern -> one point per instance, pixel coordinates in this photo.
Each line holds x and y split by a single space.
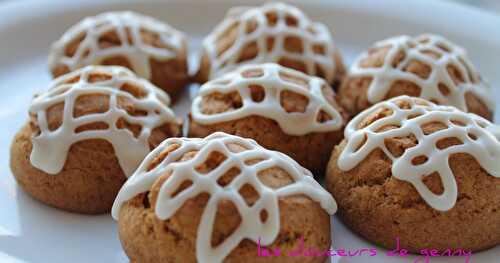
50 147
440 57
273 79
251 227
256 26
480 138
130 43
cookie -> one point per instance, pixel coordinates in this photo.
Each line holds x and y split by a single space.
427 66
274 32
281 108
222 199
87 133
149 47
420 172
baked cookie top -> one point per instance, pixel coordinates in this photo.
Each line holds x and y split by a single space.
135 37
405 116
191 160
97 102
269 90
440 68
268 29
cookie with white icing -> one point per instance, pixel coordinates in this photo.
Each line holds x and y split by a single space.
273 32
420 172
281 108
87 133
152 49
427 66
215 199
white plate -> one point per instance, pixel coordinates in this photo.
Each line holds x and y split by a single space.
33 232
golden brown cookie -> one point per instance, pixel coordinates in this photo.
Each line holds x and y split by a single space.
282 109
273 32
423 173
426 66
87 134
150 48
167 213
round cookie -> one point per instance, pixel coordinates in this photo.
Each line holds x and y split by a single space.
149 47
426 66
222 198
281 108
420 172
273 32
87 134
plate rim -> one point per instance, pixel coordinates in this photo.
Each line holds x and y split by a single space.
470 19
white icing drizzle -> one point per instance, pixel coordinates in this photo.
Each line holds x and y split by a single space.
251 226
415 49
477 134
311 34
50 148
294 123
137 52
